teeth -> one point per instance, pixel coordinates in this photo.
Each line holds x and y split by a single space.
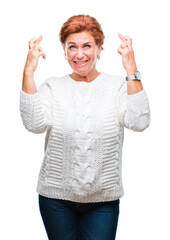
80 62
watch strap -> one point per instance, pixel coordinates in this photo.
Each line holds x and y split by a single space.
135 76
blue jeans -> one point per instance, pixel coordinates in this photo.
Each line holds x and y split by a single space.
67 220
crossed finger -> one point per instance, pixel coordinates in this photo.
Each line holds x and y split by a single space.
125 39
41 52
123 45
34 42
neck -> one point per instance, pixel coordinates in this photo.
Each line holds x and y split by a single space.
87 78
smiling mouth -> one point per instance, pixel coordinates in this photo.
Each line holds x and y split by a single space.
80 63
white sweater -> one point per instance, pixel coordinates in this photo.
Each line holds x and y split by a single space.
84 124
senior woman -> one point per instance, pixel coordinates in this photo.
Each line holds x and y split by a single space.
83 114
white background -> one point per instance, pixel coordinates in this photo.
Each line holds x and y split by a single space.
144 209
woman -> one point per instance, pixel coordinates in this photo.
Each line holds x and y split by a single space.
84 115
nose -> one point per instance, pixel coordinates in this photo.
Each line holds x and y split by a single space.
80 53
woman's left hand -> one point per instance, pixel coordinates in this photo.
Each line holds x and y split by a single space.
127 53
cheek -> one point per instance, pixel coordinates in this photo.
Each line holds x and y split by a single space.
71 55
94 53
90 55
91 52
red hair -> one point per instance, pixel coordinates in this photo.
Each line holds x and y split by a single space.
81 23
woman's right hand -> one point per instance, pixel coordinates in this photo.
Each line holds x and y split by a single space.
35 51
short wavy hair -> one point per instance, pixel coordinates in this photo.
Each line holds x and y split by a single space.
81 23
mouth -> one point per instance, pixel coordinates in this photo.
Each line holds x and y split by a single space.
80 63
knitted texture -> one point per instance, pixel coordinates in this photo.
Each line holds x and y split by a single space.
84 124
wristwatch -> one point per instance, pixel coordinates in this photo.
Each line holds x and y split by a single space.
136 76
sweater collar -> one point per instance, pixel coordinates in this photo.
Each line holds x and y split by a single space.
96 80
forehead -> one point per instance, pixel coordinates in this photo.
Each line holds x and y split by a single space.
80 38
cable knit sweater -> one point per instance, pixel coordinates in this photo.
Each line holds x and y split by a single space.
84 124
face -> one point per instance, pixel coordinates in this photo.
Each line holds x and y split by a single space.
82 51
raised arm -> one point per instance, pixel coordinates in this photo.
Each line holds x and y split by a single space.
35 106
132 100
35 51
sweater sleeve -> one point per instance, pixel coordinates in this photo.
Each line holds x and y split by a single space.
36 109
133 111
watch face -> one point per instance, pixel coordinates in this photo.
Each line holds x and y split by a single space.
138 75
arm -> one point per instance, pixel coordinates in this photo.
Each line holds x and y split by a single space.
132 101
129 64
35 51
133 110
28 84
35 107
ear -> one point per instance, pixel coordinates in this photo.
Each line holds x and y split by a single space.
99 51
63 45
64 48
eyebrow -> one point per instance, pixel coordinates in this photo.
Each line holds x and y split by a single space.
83 43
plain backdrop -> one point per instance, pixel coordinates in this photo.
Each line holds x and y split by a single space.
145 207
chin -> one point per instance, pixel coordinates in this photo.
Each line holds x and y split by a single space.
81 73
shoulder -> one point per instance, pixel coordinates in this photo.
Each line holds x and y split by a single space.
114 79
55 79
51 81
52 84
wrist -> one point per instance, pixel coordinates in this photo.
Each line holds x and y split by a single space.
135 76
131 71
28 72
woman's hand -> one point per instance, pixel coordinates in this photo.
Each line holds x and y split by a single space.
35 51
126 51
